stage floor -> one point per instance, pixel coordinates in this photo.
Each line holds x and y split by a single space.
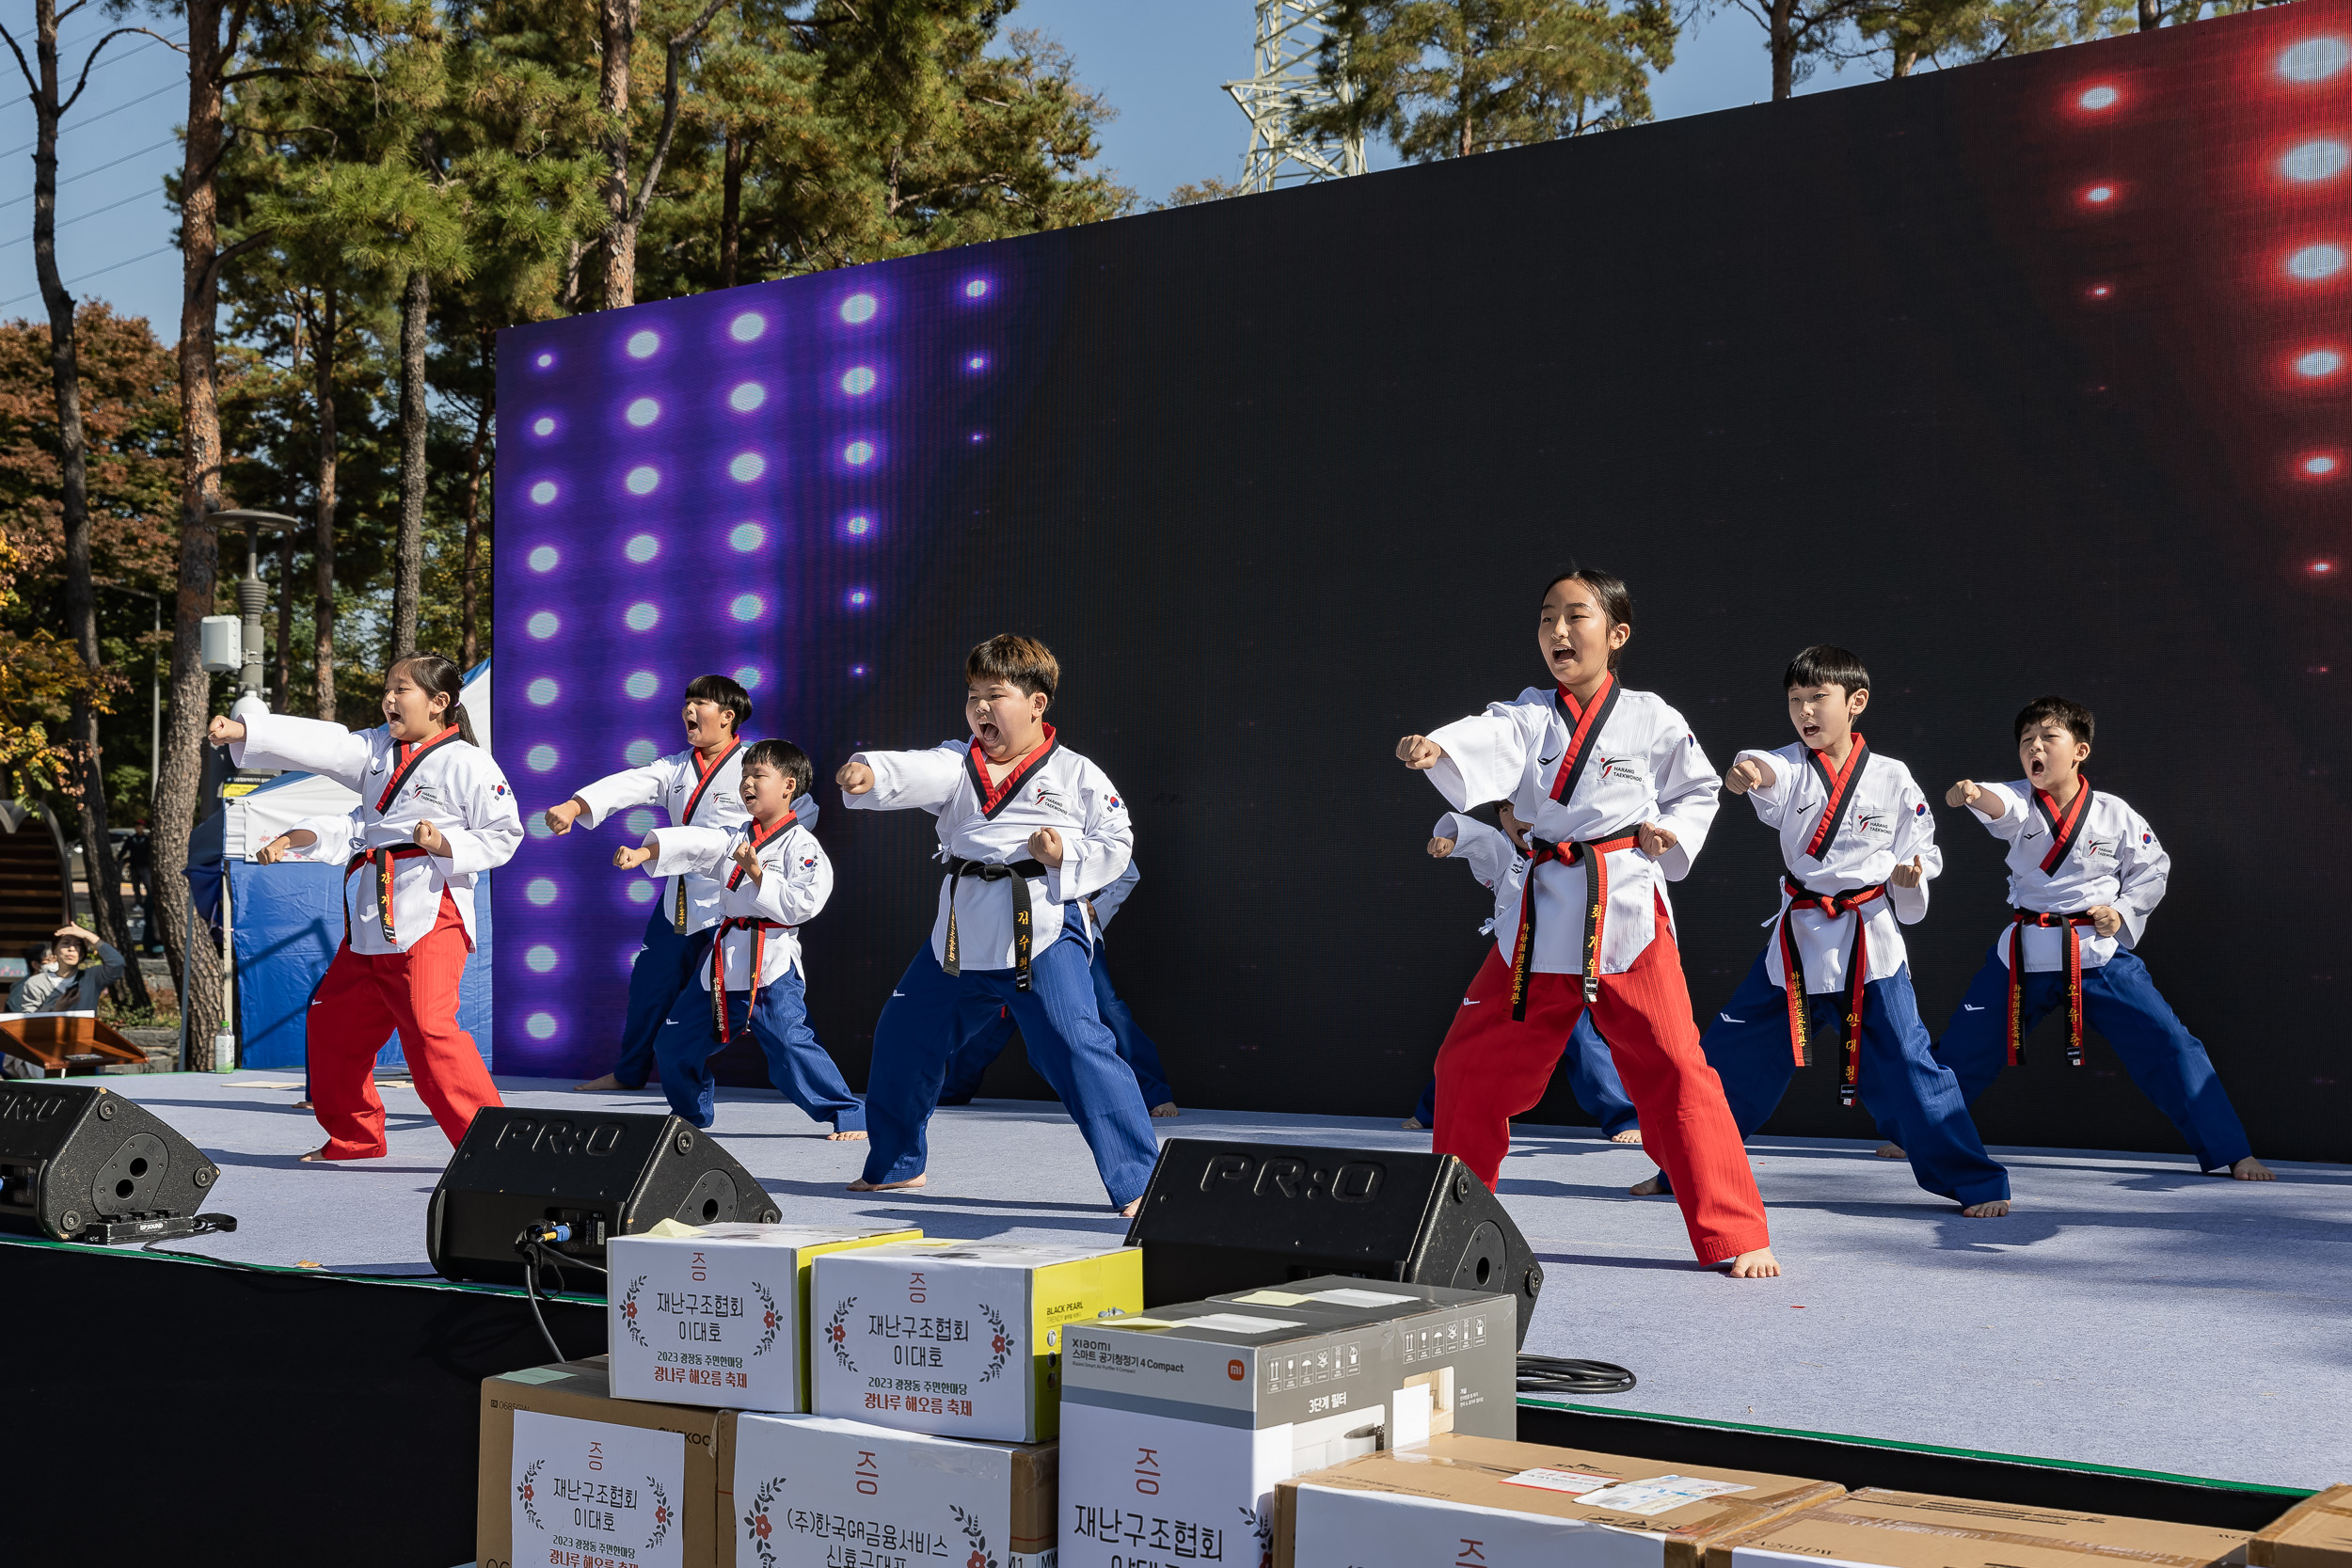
2130 1313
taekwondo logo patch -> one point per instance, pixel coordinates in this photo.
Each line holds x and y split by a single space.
1618 768
424 796
1870 823
1047 799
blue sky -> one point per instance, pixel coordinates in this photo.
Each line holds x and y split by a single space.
1161 62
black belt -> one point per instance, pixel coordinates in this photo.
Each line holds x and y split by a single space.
1592 854
1853 901
381 860
1016 872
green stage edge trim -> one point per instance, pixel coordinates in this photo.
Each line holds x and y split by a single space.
1537 1401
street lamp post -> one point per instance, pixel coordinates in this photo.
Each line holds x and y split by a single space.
252 593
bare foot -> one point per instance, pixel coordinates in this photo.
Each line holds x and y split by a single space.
1651 1188
601 1085
320 1156
862 1185
1412 1125
2251 1169
1166 1108
1630 1135
304 1105
1759 1265
845 1137
1129 1213
1890 1151
1998 1209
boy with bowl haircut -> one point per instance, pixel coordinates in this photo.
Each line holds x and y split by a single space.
2084 872
1030 830
772 877
701 787
1859 847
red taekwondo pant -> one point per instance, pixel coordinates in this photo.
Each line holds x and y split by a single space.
1491 1069
365 997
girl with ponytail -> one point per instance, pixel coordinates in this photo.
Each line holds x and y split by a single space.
435 813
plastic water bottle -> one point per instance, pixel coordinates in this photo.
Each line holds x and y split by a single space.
225 1049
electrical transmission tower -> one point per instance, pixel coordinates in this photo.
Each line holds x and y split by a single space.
1291 33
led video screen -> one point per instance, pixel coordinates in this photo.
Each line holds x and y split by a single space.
2029 377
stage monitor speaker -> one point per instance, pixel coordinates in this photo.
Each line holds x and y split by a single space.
78 1163
1220 1217
602 1174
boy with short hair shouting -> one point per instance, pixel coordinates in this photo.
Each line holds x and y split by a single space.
1859 847
772 877
1029 829
2084 872
700 788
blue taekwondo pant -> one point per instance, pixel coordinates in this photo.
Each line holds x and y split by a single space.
796 1063
982 1045
1915 1099
665 966
1592 1078
2121 1002
931 1012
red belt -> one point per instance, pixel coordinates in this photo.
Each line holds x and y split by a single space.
382 860
2072 925
760 929
1592 854
1857 970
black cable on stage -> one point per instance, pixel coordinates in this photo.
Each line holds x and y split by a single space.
535 1246
1562 1374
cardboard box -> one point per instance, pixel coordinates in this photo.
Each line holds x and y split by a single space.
1911 1529
571 1475
2315 1533
1522 1504
961 1339
720 1316
812 1492
1178 1423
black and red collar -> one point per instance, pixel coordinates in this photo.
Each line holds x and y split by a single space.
1837 791
1584 721
993 797
405 759
2066 826
702 776
759 837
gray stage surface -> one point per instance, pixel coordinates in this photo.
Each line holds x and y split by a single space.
2130 1312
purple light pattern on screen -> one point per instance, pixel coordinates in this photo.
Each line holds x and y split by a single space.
713 483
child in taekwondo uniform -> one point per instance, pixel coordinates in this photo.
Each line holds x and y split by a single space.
772 877
1496 861
435 813
1620 796
2084 872
1030 830
700 786
1859 845
984 1043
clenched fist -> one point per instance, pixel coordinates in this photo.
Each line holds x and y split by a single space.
559 819
1965 793
1419 752
748 858
1440 847
429 839
629 857
224 731
855 778
1749 774
2105 919
1045 848
1654 840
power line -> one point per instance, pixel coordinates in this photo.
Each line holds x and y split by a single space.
112 266
140 195
92 119
101 168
